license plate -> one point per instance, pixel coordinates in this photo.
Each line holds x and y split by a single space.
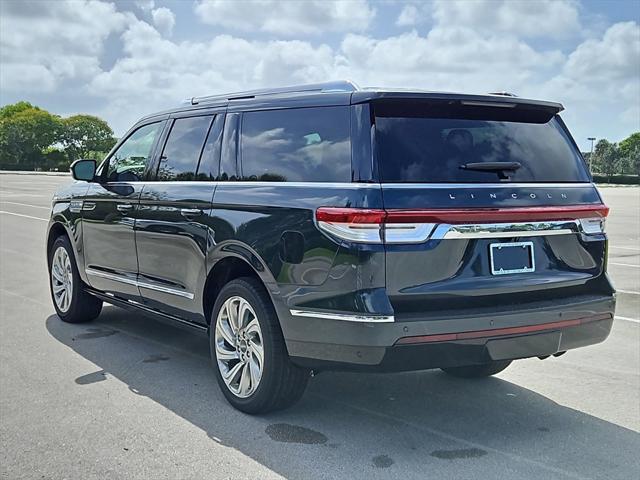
514 257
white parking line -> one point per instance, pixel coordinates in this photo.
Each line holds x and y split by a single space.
624 265
25 216
635 249
25 205
628 319
628 292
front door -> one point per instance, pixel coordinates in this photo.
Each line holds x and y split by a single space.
108 215
173 224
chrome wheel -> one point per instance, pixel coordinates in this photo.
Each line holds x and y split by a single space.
239 348
62 279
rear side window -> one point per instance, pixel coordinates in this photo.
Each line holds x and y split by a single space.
422 143
296 145
182 151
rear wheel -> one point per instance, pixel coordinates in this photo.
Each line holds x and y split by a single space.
248 351
478 371
72 303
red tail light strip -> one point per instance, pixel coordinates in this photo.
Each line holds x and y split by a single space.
460 216
497 332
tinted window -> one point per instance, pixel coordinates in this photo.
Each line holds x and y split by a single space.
182 151
129 161
210 159
305 145
421 143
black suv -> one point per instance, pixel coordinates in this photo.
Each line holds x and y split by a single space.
329 227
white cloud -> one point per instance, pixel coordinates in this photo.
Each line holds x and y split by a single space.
601 80
59 48
145 5
542 18
164 20
290 18
614 57
61 40
415 13
408 16
447 59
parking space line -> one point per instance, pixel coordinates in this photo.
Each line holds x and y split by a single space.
628 292
26 205
25 216
624 265
625 248
627 319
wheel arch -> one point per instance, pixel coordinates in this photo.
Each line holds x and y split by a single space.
56 229
223 271
59 227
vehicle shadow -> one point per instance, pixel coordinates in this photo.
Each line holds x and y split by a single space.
359 425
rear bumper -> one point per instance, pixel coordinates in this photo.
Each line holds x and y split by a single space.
448 342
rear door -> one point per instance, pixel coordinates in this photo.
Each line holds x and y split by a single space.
173 226
512 215
108 214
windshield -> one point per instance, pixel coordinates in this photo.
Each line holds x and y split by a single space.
422 143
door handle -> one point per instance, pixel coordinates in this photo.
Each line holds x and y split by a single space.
189 213
124 207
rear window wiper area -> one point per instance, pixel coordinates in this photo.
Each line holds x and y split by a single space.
499 167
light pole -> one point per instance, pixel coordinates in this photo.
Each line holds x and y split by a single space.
593 139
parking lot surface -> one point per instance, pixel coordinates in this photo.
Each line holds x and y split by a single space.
128 397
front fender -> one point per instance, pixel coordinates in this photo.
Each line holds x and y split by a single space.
66 218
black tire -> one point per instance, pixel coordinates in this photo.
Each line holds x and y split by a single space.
478 371
282 383
83 306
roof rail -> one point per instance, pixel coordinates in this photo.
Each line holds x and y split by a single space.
503 94
325 87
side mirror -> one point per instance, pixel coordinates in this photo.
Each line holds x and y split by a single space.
84 170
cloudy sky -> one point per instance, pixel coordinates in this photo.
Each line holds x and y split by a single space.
123 59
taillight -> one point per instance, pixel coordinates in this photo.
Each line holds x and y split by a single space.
371 225
593 226
353 224
363 225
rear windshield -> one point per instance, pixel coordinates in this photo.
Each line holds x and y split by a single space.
421 142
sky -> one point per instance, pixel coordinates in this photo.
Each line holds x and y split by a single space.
121 59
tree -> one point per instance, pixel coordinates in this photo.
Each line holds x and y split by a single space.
25 131
606 158
83 134
629 150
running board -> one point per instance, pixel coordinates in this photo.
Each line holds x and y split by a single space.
138 307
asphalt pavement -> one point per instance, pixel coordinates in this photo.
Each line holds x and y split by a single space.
126 397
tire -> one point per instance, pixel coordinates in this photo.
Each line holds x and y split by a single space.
64 277
478 371
252 389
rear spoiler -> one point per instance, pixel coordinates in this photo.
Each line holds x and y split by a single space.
551 108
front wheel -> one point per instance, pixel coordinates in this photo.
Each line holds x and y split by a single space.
478 371
249 355
72 303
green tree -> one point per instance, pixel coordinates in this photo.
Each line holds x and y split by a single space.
629 149
83 135
606 158
25 131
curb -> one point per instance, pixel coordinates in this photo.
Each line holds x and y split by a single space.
19 172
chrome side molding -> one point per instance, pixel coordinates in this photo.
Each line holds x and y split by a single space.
346 317
130 281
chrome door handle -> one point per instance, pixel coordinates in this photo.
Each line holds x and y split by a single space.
124 207
190 212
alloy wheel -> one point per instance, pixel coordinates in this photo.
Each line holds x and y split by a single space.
62 279
239 347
